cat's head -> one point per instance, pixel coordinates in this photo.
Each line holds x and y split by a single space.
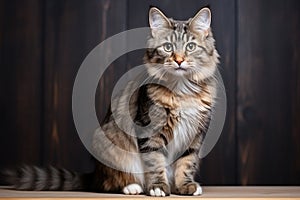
181 49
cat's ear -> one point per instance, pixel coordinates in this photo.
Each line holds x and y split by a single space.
158 21
201 21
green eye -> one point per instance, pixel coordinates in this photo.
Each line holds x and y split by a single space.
168 47
190 46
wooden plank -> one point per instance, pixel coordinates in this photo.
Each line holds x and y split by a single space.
39 76
219 166
268 93
73 29
113 21
69 36
294 46
20 81
209 192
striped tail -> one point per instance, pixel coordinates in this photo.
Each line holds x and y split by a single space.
35 178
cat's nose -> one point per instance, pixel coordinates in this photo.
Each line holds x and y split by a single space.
179 59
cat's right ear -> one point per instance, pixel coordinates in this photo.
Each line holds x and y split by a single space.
157 21
201 21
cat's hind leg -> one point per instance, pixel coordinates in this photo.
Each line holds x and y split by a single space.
133 189
198 190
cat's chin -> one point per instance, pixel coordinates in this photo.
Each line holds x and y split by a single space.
179 71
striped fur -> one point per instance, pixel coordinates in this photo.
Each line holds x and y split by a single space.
36 178
168 156
162 159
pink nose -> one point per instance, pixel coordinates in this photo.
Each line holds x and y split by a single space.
179 59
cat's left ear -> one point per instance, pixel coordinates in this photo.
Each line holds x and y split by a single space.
201 21
158 21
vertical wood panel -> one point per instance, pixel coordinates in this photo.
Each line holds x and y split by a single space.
70 33
268 93
114 20
20 81
73 29
294 29
43 42
219 167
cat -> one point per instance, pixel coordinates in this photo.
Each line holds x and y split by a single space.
182 56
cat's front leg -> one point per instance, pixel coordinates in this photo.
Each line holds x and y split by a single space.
153 154
156 175
185 169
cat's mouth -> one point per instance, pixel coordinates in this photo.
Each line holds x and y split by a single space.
180 69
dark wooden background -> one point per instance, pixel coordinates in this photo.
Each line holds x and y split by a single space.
43 42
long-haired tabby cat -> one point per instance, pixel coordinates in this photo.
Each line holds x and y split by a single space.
181 54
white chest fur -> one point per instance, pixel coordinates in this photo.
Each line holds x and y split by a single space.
188 126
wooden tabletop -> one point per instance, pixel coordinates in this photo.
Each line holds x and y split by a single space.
210 193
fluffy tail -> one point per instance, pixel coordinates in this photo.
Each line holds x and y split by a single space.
35 178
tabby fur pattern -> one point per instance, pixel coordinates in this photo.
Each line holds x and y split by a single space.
182 55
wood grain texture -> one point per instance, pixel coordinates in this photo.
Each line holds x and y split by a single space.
43 43
268 92
219 167
21 63
209 192
71 31
113 21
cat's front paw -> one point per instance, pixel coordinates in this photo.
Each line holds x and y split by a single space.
159 190
192 188
133 189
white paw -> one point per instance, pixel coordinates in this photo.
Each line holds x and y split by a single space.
157 192
133 189
198 191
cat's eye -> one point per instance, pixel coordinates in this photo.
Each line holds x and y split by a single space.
191 46
168 47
